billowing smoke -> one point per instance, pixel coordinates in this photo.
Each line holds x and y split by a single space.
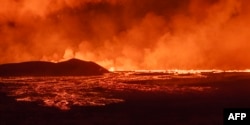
128 34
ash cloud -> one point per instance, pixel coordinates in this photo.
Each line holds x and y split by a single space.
128 34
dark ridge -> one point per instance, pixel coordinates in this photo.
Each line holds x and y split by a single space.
72 67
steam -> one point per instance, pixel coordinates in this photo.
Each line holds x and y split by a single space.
128 34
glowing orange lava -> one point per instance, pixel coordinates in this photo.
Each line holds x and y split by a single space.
65 92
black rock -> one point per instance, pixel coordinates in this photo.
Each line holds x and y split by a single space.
72 67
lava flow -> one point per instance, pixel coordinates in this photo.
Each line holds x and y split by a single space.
65 92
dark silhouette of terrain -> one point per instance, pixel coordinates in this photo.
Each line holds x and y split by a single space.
72 67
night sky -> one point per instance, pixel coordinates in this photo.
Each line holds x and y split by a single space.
128 34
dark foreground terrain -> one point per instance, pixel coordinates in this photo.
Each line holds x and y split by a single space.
72 67
142 108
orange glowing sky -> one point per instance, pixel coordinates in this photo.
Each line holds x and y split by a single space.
128 34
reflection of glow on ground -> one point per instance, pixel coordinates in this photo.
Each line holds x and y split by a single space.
64 92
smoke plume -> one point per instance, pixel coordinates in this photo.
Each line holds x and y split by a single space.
128 34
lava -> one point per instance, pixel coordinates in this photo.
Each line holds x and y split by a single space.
65 92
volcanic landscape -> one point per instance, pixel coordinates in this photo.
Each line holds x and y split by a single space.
124 97
123 62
